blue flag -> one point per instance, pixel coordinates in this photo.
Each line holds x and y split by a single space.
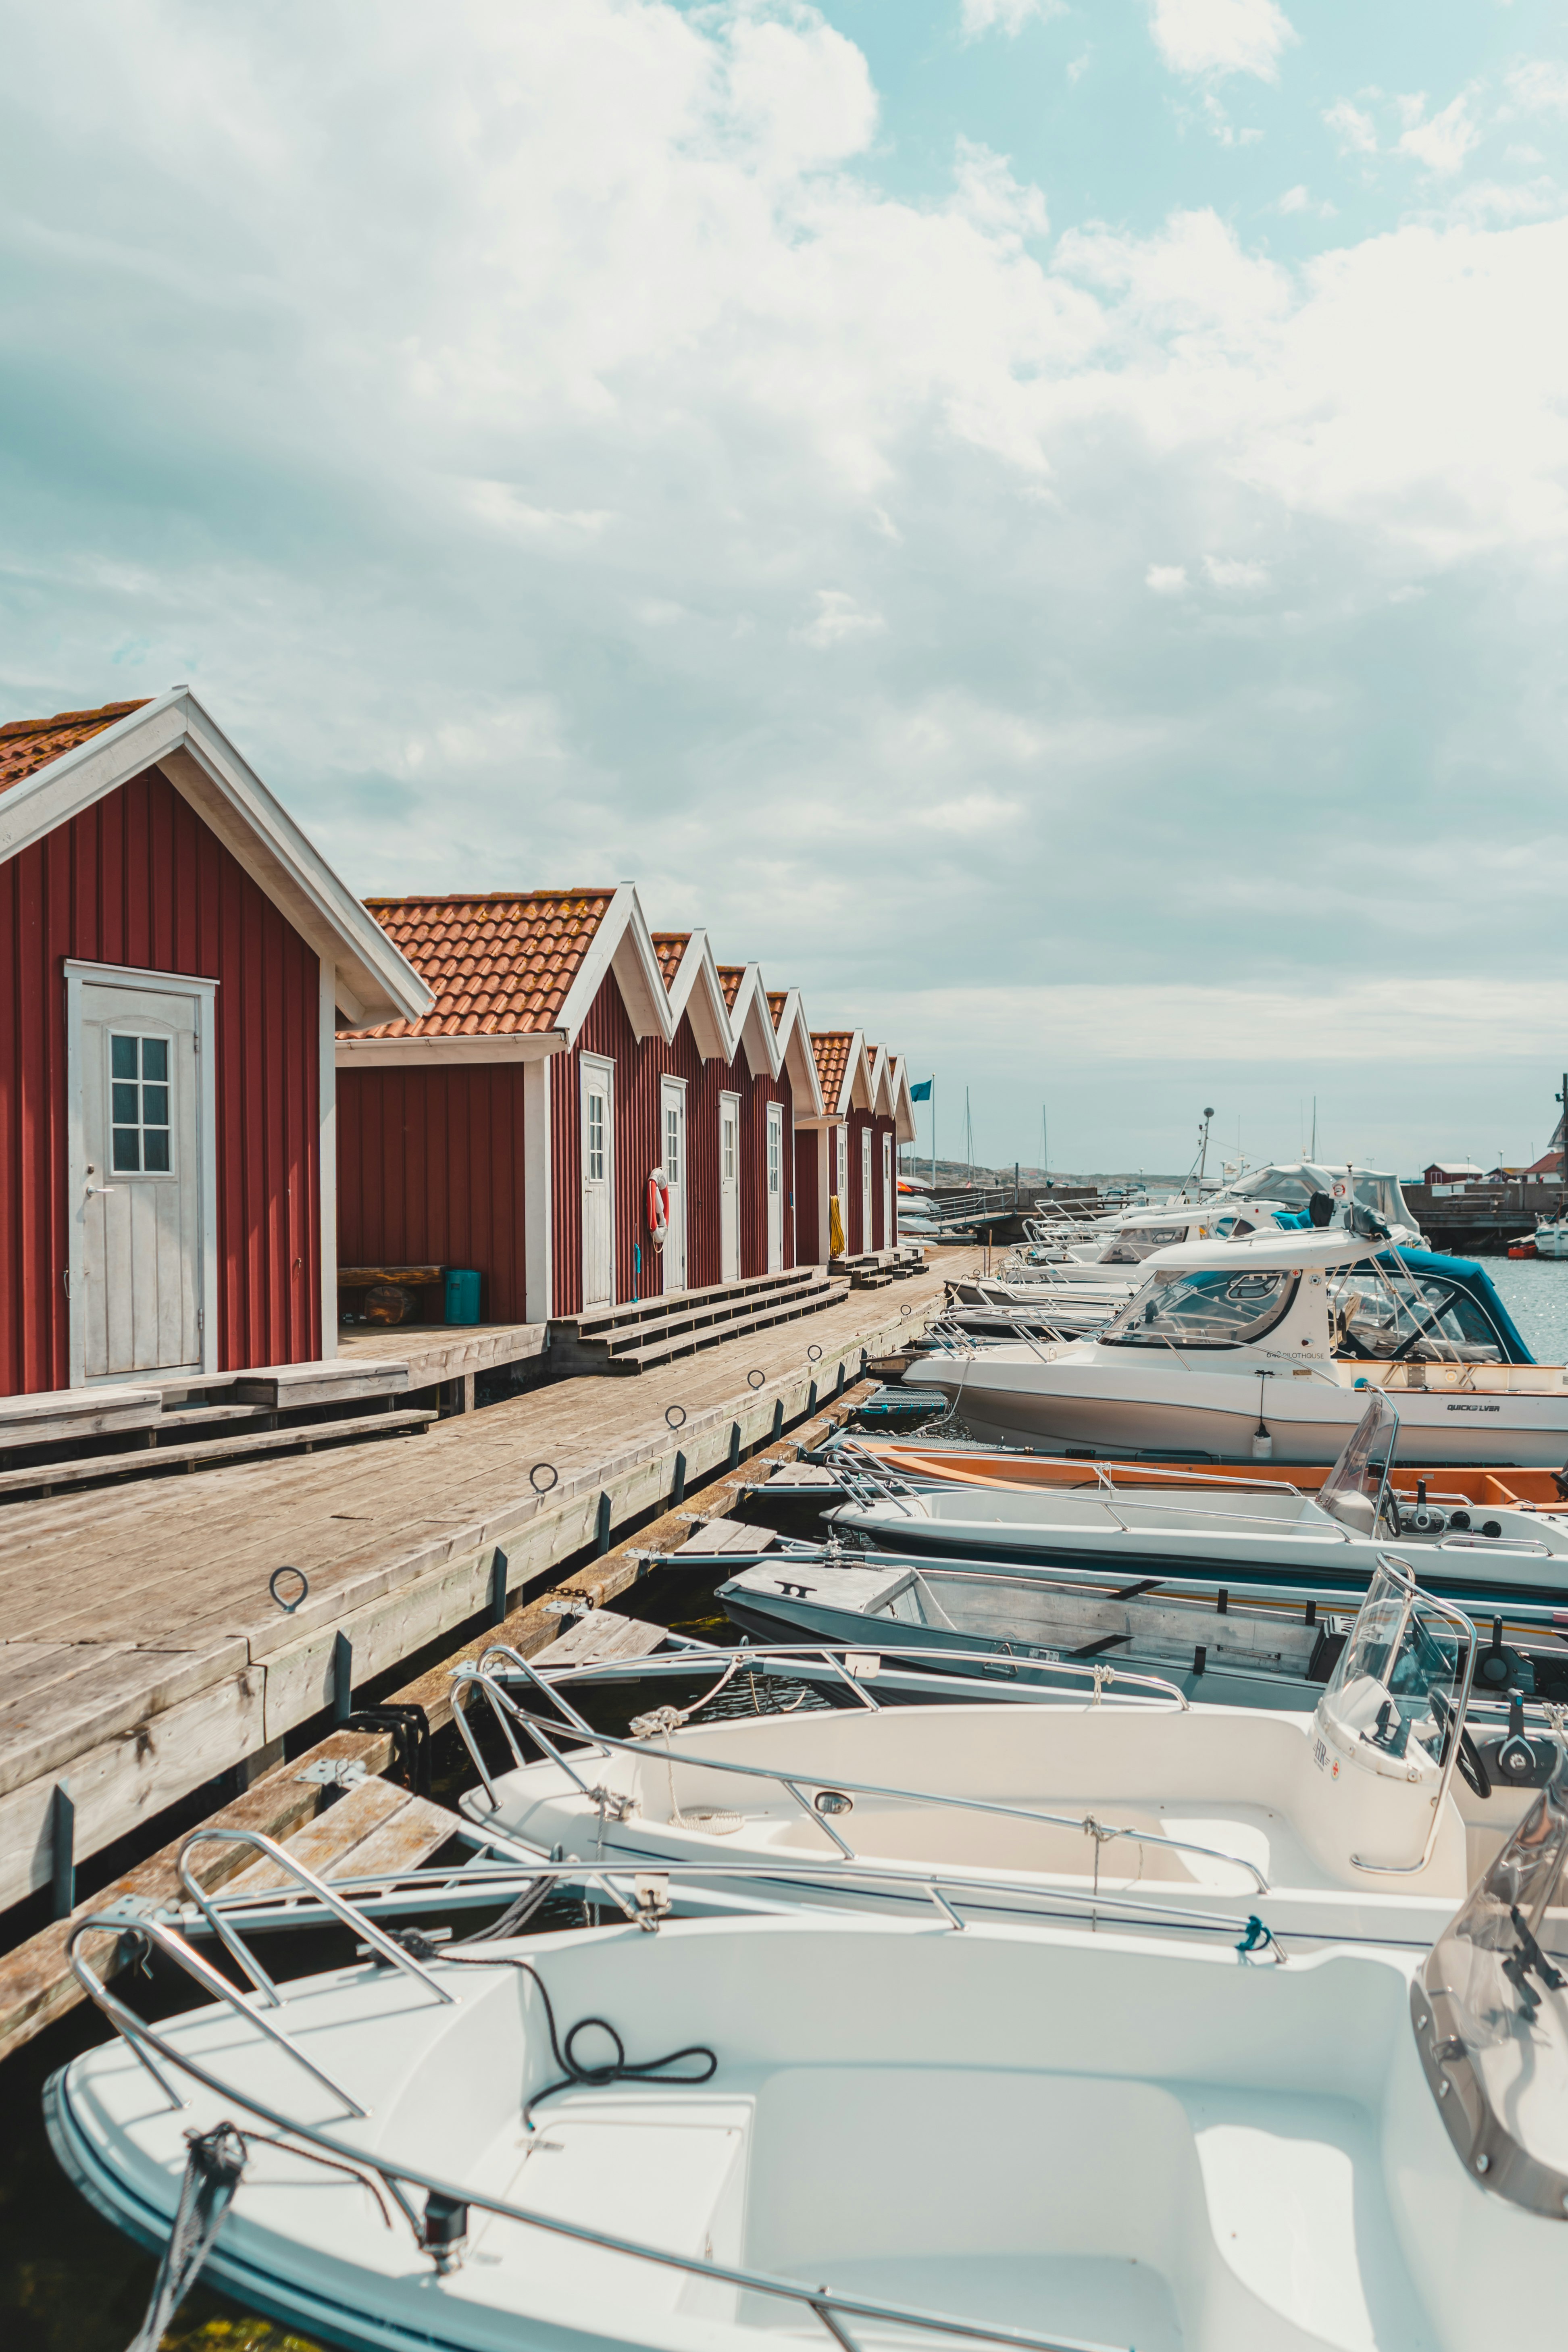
922 1092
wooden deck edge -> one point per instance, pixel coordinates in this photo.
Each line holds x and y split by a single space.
399 1607
36 1985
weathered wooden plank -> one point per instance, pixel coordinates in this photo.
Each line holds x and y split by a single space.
118 1782
110 1691
403 1842
157 1461
323 1843
58 1413
35 1982
602 1635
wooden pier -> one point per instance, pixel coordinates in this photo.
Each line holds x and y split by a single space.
377 1826
153 1643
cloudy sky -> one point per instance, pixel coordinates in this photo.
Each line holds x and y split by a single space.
1044 523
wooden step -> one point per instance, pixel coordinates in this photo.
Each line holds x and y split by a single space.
667 1350
716 1314
207 1452
602 1322
655 1331
373 1828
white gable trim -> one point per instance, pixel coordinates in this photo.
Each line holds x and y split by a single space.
176 735
795 1055
751 1025
622 944
697 992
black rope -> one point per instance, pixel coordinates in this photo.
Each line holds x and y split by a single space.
213 2169
595 2078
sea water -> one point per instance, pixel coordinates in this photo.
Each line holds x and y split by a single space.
1535 1292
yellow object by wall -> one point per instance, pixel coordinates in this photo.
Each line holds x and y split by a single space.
835 1228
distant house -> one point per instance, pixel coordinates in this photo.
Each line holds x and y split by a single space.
1547 1170
174 949
1452 1176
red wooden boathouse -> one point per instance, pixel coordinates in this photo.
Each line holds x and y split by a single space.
572 1055
174 949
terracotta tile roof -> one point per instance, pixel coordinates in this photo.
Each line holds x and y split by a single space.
777 999
832 1048
730 975
500 962
670 947
29 744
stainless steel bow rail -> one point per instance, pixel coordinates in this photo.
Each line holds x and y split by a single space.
507 1712
440 2230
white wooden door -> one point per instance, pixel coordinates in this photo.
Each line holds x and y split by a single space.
728 1187
866 1188
672 1110
887 1191
144 1176
598 1096
775 1187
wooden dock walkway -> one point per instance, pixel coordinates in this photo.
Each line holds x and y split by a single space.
144 1652
296 1805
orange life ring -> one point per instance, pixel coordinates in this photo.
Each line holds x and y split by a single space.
657 1209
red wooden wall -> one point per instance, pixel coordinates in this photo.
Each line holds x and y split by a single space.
137 879
639 1147
430 1168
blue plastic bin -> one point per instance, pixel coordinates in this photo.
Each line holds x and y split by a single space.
462 1294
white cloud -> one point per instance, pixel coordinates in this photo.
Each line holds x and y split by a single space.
1008 17
986 195
838 619
1167 579
1198 36
1541 88
1352 127
1234 572
1294 200
1442 143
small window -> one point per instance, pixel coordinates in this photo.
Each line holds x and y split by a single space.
729 1146
139 1098
671 1144
595 1139
775 1133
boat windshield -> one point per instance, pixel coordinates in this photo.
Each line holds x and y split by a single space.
1397 1685
1421 1317
1215 1310
1490 2014
1355 1491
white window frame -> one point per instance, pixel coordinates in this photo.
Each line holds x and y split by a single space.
163 983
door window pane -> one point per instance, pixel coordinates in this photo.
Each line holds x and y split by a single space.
596 1139
671 1144
776 1130
139 1106
729 1148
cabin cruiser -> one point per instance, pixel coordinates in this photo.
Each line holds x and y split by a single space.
1148 1525
1264 1348
1340 1823
697 2133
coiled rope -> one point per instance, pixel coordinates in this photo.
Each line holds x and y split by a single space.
618 2069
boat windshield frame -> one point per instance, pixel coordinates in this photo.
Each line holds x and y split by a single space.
1134 1326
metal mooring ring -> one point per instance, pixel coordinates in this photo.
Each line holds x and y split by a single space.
289 1607
906 1308
756 1379
533 1477
813 1354
675 1416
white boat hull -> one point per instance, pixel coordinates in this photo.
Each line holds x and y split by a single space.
1018 1396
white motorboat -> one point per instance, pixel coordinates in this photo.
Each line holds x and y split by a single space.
1550 1237
837 2128
1264 1348
1139 1525
1343 1823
